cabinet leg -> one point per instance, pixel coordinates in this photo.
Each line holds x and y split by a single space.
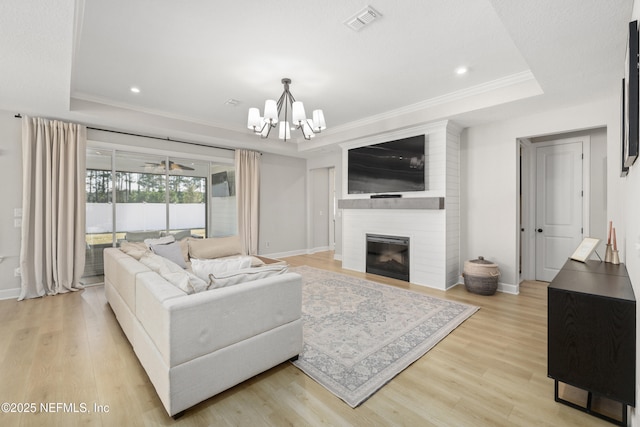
587 408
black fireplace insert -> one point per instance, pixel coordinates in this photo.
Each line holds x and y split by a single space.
388 256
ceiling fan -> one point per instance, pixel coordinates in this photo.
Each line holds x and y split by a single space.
172 166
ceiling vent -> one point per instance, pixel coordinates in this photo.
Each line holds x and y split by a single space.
362 18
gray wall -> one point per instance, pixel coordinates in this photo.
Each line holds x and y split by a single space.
325 161
319 213
283 224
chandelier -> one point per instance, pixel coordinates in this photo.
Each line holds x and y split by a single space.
262 125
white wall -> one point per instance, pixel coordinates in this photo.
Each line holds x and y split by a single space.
489 177
11 196
626 191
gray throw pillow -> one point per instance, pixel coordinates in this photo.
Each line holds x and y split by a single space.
171 251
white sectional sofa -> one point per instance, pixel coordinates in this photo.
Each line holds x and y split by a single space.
195 346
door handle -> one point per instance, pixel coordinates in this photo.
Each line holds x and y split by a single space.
539 230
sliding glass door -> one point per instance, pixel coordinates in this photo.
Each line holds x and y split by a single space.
188 197
134 196
99 208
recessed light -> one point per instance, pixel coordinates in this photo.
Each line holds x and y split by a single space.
461 70
232 102
135 89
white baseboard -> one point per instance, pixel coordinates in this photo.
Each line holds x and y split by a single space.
508 288
9 293
297 252
319 249
337 257
285 254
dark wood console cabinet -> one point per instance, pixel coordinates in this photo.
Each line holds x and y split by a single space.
592 333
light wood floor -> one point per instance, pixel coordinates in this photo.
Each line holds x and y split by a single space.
490 371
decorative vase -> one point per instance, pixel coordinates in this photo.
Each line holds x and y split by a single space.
615 258
608 255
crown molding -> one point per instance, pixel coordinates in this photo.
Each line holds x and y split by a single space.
504 82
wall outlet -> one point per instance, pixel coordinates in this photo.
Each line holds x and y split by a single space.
17 272
17 212
267 244
17 222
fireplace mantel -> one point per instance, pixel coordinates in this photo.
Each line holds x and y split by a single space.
393 203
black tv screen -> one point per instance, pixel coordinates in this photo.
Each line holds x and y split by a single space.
388 167
221 186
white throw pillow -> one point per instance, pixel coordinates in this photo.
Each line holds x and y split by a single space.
174 274
204 267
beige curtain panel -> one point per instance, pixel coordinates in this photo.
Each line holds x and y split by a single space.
52 252
248 197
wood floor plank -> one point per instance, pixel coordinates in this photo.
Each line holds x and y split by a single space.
490 371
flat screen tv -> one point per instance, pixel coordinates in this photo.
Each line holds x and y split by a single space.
388 167
222 185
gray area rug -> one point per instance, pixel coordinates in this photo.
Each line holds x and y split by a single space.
359 334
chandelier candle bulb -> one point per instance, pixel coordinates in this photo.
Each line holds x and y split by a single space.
254 121
297 113
265 129
270 111
318 121
285 130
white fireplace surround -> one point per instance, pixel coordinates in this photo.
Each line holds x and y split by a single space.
431 223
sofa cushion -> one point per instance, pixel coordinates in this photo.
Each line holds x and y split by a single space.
140 236
215 247
134 249
178 235
171 251
231 278
173 273
203 267
160 241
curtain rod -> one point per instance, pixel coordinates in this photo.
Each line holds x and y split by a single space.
19 116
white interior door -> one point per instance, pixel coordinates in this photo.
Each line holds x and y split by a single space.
559 193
